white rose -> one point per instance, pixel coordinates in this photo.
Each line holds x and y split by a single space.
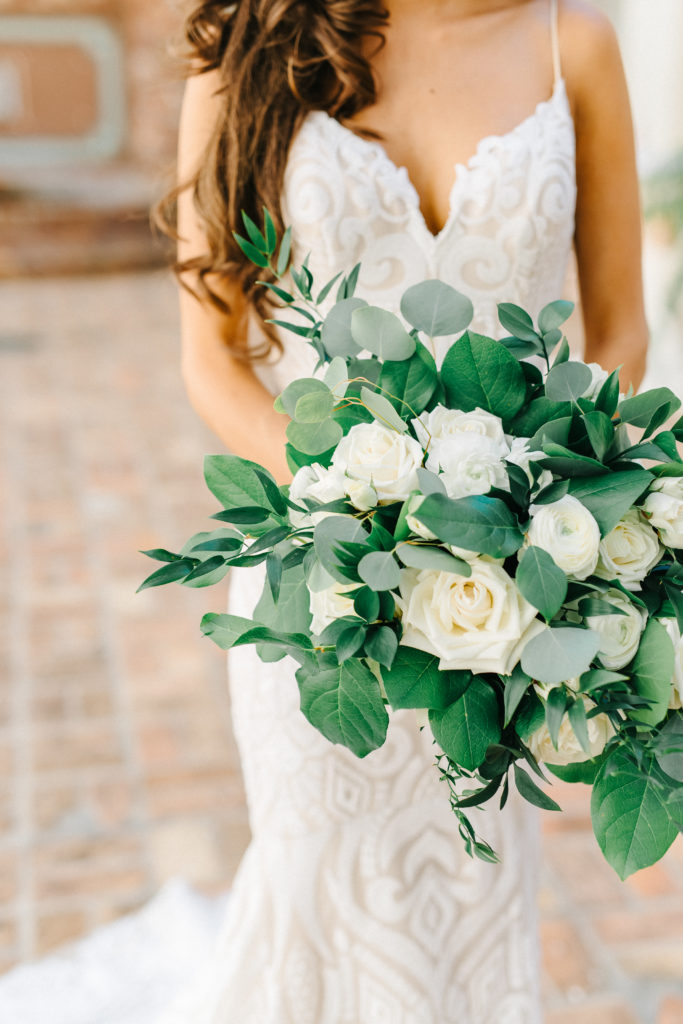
381 457
480 622
676 699
569 533
619 634
330 604
599 376
442 424
664 507
629 551
361 494
522 457
469 464
314 482
569 750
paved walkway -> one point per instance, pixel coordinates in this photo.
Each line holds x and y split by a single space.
119 769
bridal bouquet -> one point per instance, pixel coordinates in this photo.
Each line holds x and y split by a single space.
484 541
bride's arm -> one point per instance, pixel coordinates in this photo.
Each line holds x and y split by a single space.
608 225
224 390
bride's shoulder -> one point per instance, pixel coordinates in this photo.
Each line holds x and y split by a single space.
589 48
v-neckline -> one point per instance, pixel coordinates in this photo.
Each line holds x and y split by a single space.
460 170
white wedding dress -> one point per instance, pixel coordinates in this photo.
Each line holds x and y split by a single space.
356 903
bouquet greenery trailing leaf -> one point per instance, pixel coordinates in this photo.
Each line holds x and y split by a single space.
483 541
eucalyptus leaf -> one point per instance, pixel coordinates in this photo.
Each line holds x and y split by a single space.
652 671
436 308
383 411
336 333
382 333
559 654
382 645
541 581
517 321
327 535
380 570
567 382
337 377
314 407
314 438
427 556
555 314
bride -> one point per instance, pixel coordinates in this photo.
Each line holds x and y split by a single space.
471 140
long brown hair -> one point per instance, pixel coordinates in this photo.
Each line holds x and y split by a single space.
277 60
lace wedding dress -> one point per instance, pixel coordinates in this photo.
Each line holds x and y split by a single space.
356 903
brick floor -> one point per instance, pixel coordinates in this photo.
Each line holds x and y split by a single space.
118 768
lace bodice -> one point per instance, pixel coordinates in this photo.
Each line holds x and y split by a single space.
507 238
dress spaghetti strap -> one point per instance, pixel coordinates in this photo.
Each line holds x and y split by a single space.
555 35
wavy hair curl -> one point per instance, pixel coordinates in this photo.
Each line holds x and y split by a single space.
276 61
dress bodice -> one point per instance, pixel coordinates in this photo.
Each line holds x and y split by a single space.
507 238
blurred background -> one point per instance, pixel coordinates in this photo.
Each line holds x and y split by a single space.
119 770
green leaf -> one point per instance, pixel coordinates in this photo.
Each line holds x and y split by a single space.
649 409
465 730
380 570
436 308
559 654
328 533
366 604
345 704
579 723
314 438
336 331
541 582
567 382
533 793
209 572
610 496
563 352
314 407
170 573
349 642
553 492
517 321
522 349
236 482
285 252
271 232
598 606
478 372
383 411
608 395
555 707
538 413
382 645
225 630
669 747
298 389
600 432
250 251
554 315
564 462
630 818
516 685
162 555
578 771
415 681
337 377
652 671
381 333
427 556
475 523
596 678
409 383
274 572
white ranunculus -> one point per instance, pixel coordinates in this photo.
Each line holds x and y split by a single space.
629 551
568 532
619 634
314 482
599 376
676 699
522 457
569 750
362 495
330 604
480 622
381 457
664 507
468 464
442 424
